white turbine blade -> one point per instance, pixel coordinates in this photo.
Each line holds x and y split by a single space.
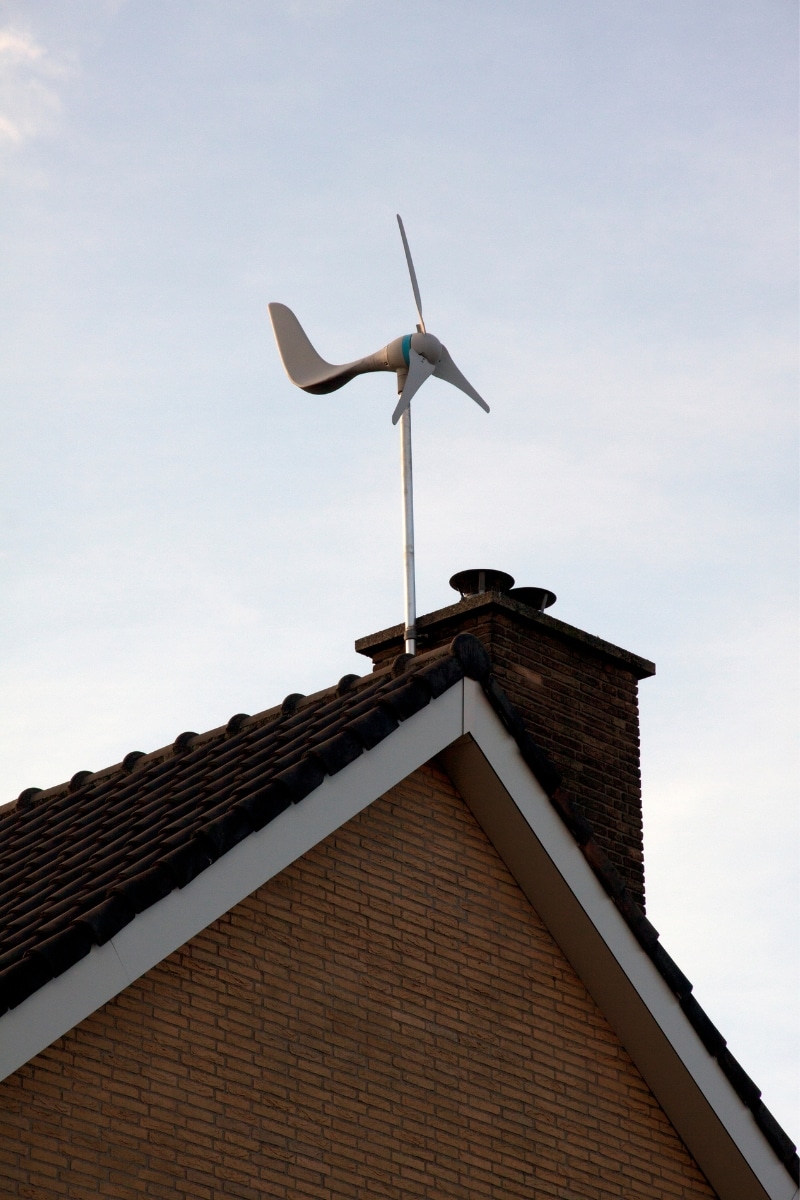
412 273
446 369
418 371
303 365
305 368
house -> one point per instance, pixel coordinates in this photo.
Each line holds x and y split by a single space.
385 940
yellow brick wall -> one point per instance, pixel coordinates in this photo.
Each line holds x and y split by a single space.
386 1018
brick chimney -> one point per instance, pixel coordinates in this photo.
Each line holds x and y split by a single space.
577 694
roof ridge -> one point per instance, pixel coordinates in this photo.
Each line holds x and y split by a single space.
35 796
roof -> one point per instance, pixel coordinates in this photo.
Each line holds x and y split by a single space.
79 862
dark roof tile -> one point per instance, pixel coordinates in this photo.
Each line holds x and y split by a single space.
302 778
441 675
605 871
265 804
778 1139
400 664
22 979
186 860
473 657
741 1081
27 795
228 829
339 751
645 933
184 741
703 1026
547 774
407 698
505 710
670 971
572 817
105 919
373 726
146 887
78 780
236 722
63 949
11 957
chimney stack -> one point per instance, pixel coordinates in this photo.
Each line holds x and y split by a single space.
576 693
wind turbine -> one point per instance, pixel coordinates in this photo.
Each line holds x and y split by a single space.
413 358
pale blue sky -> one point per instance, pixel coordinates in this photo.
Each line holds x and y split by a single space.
600 199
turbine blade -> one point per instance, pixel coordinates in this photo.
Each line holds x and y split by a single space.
418 371
303 365
412 273
446 369
305 368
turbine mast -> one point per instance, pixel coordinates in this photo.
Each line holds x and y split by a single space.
409 579
408 534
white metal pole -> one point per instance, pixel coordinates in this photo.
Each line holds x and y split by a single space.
408 534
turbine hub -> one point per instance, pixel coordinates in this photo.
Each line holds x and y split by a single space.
428 346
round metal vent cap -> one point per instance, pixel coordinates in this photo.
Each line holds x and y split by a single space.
480 580
538 598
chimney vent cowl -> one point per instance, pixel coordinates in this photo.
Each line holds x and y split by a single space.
534 597
479 580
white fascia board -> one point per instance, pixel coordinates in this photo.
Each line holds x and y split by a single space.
158 931
719 1130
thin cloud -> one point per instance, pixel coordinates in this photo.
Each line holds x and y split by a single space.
30 105
18 47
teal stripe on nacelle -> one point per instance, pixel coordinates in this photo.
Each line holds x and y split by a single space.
406 348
